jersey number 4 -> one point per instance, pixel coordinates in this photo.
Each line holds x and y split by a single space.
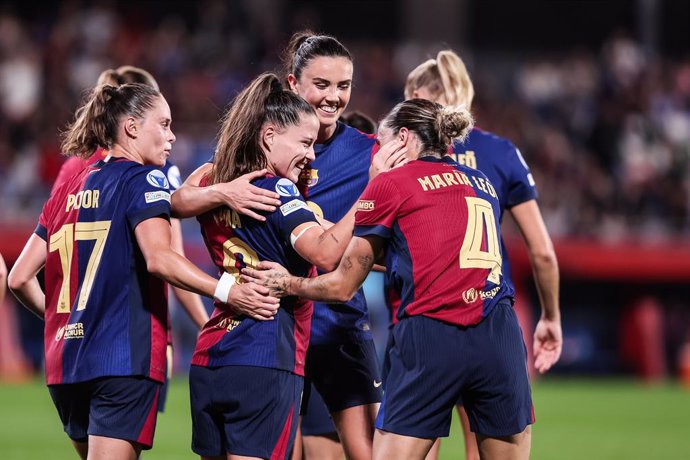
480 216
63 242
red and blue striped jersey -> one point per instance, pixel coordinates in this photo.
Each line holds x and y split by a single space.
507 171
234 242
105 314
441 220
331 185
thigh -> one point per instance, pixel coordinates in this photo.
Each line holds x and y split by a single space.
345 375
249 411
124 408
423 380
498 399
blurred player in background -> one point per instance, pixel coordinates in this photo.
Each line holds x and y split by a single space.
247 372
341 362
455 332
104 238
190 301
445 80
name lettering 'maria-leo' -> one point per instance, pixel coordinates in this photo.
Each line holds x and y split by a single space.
447 179
83 199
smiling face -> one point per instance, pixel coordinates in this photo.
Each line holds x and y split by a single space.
289 150
326 83
154 134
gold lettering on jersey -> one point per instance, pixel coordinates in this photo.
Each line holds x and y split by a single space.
467 159
445 179
229 323
484 185
83 199
232 219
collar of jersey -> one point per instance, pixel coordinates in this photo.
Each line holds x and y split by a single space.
318 148
432 159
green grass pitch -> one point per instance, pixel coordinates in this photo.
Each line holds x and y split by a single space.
576 419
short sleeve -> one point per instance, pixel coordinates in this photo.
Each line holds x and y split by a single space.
521 186
293 210
149 195
377 208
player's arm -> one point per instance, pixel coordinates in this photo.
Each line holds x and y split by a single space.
339 285
548 339
22 280
191 200
190 301
153 237
321 246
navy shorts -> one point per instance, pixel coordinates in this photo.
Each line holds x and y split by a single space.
431 365
316 421
345 375
113 407
244 410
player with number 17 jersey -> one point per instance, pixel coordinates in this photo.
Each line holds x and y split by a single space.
98 322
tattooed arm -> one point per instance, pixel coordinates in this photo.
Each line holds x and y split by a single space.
337 286
324 245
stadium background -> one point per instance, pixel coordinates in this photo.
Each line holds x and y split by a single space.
596 94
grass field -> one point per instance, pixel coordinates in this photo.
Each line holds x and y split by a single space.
576 419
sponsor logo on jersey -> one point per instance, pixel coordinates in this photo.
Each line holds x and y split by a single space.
151 197
470 295
229 324
70 331
157 179
365 205
292 206
309 177
286 188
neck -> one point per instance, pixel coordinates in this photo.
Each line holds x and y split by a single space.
325 133
118 151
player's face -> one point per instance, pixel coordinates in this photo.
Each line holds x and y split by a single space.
326 83
155 137
290 150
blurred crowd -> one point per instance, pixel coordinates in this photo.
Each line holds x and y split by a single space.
606 132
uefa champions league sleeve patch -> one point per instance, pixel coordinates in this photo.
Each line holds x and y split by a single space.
174 178
157 179
286 188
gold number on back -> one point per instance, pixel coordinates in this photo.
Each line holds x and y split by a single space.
481 216
63 242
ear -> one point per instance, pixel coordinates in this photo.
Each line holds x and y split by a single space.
131 127
268 133
292 81
415 94
404 135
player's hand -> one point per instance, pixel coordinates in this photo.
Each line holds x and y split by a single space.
388 157
253 300
246 198
548 343
270 275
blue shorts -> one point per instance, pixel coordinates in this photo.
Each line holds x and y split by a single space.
113 407
316 421
244 410
345 375
430 365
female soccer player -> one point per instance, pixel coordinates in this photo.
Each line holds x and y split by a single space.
341 361
455 332
246 379
445 80
104 238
